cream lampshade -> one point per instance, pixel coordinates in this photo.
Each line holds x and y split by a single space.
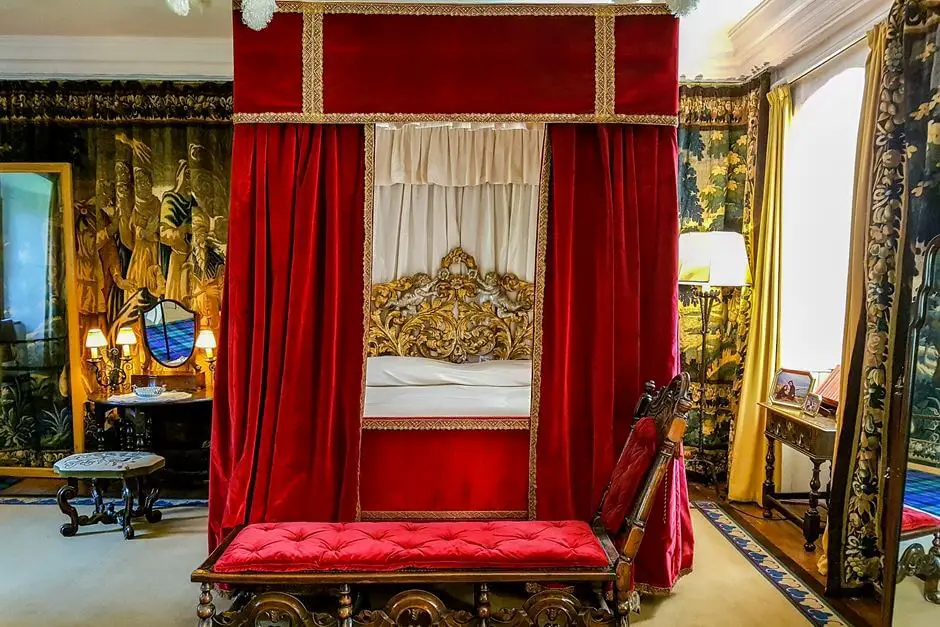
713 259
95 340
126 339
206 341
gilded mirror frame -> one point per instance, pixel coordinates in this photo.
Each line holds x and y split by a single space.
77 392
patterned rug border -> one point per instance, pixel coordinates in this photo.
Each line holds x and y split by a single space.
807 602
85 501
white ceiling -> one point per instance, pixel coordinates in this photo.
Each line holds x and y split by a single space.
143 38
108 18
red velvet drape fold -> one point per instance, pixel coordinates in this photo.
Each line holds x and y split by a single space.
610 309
286 424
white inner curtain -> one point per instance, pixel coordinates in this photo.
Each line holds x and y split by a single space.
440 185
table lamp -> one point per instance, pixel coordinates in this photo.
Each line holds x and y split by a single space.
710 259
116 361
125 339
206 341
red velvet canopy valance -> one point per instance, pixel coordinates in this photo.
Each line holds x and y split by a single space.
356 63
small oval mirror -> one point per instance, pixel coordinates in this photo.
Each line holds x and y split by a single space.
169 332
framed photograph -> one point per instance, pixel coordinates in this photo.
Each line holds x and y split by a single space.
790 387
812 404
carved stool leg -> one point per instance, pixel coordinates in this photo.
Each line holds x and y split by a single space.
482 603
62 497
811 523
345 611
152 515
205 610
128 515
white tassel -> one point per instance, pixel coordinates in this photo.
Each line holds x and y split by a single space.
256 14
180 7
682 7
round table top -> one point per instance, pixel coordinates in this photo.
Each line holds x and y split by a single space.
199 396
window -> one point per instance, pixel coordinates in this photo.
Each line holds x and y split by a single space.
818 182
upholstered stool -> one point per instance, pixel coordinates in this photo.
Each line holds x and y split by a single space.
133 468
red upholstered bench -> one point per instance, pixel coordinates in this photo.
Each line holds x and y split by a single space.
271 565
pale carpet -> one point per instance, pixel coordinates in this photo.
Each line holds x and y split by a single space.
96 578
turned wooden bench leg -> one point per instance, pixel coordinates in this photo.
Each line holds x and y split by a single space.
482 604
345 611
205 610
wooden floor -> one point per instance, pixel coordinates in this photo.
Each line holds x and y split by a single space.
784 540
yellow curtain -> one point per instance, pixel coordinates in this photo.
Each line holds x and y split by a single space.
749 449
855 292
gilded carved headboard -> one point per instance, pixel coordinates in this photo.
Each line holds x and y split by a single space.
453 316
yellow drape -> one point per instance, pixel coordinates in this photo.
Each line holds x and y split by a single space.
861 209
749 447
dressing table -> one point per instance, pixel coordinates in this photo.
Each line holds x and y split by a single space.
175 423
814 437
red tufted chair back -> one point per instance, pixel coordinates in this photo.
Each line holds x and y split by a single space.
661 421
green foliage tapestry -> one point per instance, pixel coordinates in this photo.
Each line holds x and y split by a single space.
722 131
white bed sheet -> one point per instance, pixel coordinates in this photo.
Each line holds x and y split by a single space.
390 371
446 401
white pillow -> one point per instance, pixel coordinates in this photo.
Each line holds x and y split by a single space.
391 371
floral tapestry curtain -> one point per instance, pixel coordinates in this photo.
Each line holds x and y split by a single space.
902 218
150 166
722 131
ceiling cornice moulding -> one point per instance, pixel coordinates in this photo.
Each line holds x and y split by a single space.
163 58
796 35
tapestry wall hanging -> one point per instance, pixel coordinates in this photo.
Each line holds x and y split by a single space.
722 132
150 164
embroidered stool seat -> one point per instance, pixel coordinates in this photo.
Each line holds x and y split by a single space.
108 464
131 467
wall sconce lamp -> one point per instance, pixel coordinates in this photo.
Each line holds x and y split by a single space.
206 341
110 363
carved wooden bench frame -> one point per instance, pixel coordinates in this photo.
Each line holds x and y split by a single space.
275 596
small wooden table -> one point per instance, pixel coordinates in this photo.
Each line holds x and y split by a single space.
131 467
813 436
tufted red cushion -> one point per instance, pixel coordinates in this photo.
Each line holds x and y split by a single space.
917 520
635 461
391 546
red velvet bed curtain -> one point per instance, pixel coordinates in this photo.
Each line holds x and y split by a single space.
285 432
610 309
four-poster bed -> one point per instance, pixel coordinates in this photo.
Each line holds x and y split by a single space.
355 383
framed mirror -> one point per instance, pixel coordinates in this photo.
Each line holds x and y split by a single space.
169 332
912 559
41 391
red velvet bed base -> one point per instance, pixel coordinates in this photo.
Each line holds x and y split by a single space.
466 474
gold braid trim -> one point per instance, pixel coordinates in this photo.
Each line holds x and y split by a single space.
604 65
444 515
445 424
370 118
541 247
655 591
313 63
472 10
368 147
